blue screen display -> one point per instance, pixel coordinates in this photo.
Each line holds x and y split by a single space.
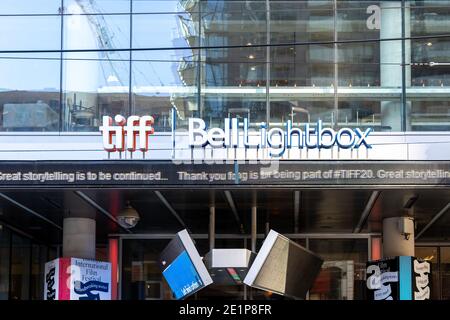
182 276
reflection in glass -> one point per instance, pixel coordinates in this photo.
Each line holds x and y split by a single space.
93 88
29 93
95 83
359 83
343 272
38 259
30 32
164 6
445 272
20 268
430 69
30 7
300 110
141 277
98 6
431 254
161 81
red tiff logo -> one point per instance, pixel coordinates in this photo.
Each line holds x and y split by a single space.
123 135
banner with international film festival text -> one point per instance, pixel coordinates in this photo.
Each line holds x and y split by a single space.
77 279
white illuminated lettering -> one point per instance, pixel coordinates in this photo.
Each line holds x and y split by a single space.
122 134
126 132
197 129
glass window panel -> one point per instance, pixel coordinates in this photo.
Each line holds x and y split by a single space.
241 67
92 32
29 92
429 114
20 268
234 22
52 253
97 6
302 66
30 7
429 65
432 255
343 273
430 71
165 31
38 260
30 33
233 85
162 80
94 85
359 65
359 19
360 113
5 241
141 276
300 110
301 21
217 290
219 106
445 270
429 17
101 253
167 6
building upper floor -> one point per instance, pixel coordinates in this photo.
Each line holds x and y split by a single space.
381 64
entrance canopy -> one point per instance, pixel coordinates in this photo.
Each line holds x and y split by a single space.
291 197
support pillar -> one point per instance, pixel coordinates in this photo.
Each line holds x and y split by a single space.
391 60
78 228
398 236
79 238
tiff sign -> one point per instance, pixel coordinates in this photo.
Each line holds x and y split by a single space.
123 133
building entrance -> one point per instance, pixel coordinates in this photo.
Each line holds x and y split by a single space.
342 225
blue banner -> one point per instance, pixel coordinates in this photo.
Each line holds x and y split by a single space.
182 276
87 288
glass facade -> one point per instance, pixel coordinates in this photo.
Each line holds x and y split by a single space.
342 277
22 262
440 264
343 273
66 63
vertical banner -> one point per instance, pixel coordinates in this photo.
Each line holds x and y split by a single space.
77 279
51 280
398 278
421 279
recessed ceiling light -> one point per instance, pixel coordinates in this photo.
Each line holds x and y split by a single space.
251 56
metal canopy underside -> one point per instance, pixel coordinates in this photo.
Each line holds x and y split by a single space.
321 211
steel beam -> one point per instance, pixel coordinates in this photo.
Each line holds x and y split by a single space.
366 212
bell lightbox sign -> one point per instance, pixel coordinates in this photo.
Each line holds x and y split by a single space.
278 140
124 134
77 279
